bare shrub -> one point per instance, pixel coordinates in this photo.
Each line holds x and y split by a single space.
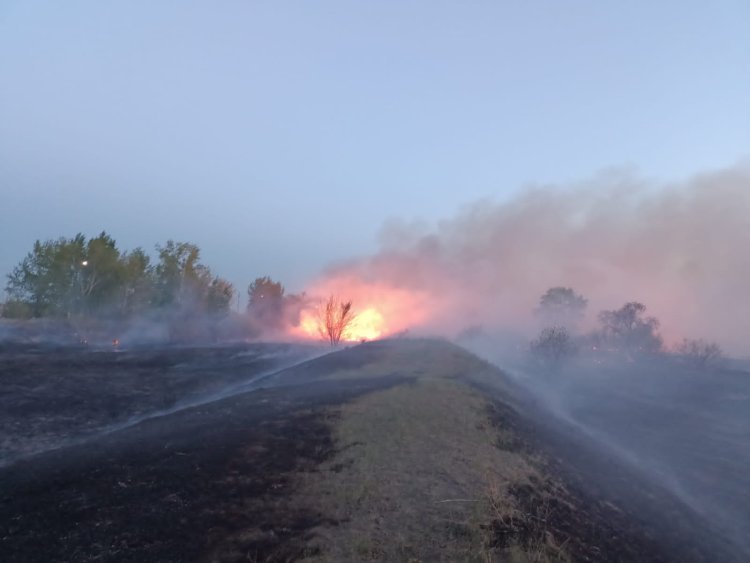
553 346
629 331
700 353
334 318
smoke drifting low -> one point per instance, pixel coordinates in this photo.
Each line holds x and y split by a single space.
681 249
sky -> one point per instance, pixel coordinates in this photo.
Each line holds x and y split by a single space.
281 136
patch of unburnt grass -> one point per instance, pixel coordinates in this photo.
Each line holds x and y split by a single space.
411 476
424 358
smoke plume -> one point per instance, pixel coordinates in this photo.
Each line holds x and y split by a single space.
682 249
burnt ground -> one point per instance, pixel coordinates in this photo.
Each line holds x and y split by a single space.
626 516
52 395
224 480
172 488
686 427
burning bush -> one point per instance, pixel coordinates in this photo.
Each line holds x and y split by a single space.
334 319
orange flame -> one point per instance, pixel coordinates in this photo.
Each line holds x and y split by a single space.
379 310
368 324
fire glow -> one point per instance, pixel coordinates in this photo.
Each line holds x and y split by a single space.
366 325
679 249
379 310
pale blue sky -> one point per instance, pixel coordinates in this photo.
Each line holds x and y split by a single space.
280 135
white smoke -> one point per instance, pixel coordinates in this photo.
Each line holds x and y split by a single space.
682 249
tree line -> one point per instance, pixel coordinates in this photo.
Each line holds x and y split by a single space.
73 277
81 278
269 306
625 332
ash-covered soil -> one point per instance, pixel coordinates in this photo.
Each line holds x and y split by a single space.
54 395
388 451
681 426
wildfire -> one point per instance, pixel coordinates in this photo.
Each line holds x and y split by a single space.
368 324
378 310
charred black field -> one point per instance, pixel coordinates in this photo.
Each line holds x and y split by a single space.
401 450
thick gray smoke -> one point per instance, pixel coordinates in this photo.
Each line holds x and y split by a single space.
682 249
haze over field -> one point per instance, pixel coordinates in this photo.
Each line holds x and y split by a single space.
683 249
281 137
439 165
385 281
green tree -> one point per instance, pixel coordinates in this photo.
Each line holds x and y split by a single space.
219 296
71 277
629 330
561 307
68 277
137 282
266 301
177 273
50 279
101 275
181 281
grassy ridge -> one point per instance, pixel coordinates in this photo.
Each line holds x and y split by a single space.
420 472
